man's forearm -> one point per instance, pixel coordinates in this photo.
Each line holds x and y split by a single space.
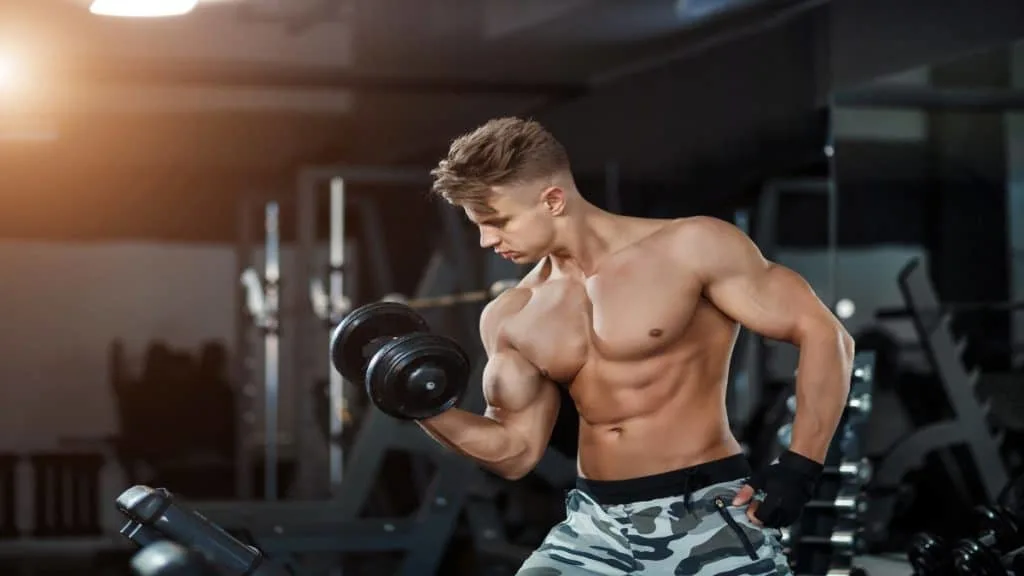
480 438
822 387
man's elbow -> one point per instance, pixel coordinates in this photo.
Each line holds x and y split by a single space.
517 468
831 332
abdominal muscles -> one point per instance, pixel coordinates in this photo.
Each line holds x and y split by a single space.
644 417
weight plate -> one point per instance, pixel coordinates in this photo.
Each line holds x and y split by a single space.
417 376
364 330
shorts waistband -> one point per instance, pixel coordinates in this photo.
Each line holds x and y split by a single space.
681 482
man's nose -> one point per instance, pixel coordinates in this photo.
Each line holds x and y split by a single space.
488 239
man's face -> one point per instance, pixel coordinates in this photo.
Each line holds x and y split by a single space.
519 226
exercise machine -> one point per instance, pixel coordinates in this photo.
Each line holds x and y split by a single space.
969 427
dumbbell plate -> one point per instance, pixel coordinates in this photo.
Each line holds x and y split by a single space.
364 331
417 376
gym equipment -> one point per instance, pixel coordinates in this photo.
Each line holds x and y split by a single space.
416 542
321 529
263 301
471 297
329 306
996 533
321 459
417 376
165 558
974 559
153 516
969 426
365 331
408 372
827 536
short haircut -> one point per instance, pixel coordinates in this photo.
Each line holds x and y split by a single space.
502 151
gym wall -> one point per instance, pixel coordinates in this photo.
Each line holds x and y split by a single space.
63 303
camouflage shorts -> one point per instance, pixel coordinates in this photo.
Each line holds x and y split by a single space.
700 535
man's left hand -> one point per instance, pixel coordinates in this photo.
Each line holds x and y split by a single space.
777 494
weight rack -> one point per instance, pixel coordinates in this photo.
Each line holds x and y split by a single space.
827 536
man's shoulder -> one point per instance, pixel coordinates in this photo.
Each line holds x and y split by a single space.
700 226
691 235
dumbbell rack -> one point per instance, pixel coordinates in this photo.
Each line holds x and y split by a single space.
969 426
825 538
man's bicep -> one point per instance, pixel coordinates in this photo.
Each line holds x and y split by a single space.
520 398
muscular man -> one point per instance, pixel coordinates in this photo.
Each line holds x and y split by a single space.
637 319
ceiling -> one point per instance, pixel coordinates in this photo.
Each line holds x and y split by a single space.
266 85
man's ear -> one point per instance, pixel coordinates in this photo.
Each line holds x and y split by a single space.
553 200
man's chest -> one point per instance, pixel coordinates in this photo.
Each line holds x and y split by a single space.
626 312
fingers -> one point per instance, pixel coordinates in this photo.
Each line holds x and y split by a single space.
743 496
752 515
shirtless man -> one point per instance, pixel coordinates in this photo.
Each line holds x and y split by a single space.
637 318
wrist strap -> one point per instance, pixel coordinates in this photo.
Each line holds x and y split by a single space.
801 464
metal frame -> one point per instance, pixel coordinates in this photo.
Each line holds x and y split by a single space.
263 303
974 100
969 426
309 450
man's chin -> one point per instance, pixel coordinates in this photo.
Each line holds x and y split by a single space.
524 259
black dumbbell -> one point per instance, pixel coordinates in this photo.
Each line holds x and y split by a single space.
929 555
408 372
991 552
996 530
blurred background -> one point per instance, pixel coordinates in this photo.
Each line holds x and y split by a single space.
874 146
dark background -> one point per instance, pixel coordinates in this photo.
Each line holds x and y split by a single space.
119 213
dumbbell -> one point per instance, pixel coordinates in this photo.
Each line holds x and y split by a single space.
154 516
841 541
859 472
408 372
994 549
997 530
844 504
860 403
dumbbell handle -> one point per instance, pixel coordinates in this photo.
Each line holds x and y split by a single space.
841 503
861 471
845 539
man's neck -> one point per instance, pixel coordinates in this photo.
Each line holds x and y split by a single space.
589 238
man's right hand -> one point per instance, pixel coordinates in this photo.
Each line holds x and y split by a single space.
522 404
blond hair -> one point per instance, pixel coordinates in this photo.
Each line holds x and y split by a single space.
502 151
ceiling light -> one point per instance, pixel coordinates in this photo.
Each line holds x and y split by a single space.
142 8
